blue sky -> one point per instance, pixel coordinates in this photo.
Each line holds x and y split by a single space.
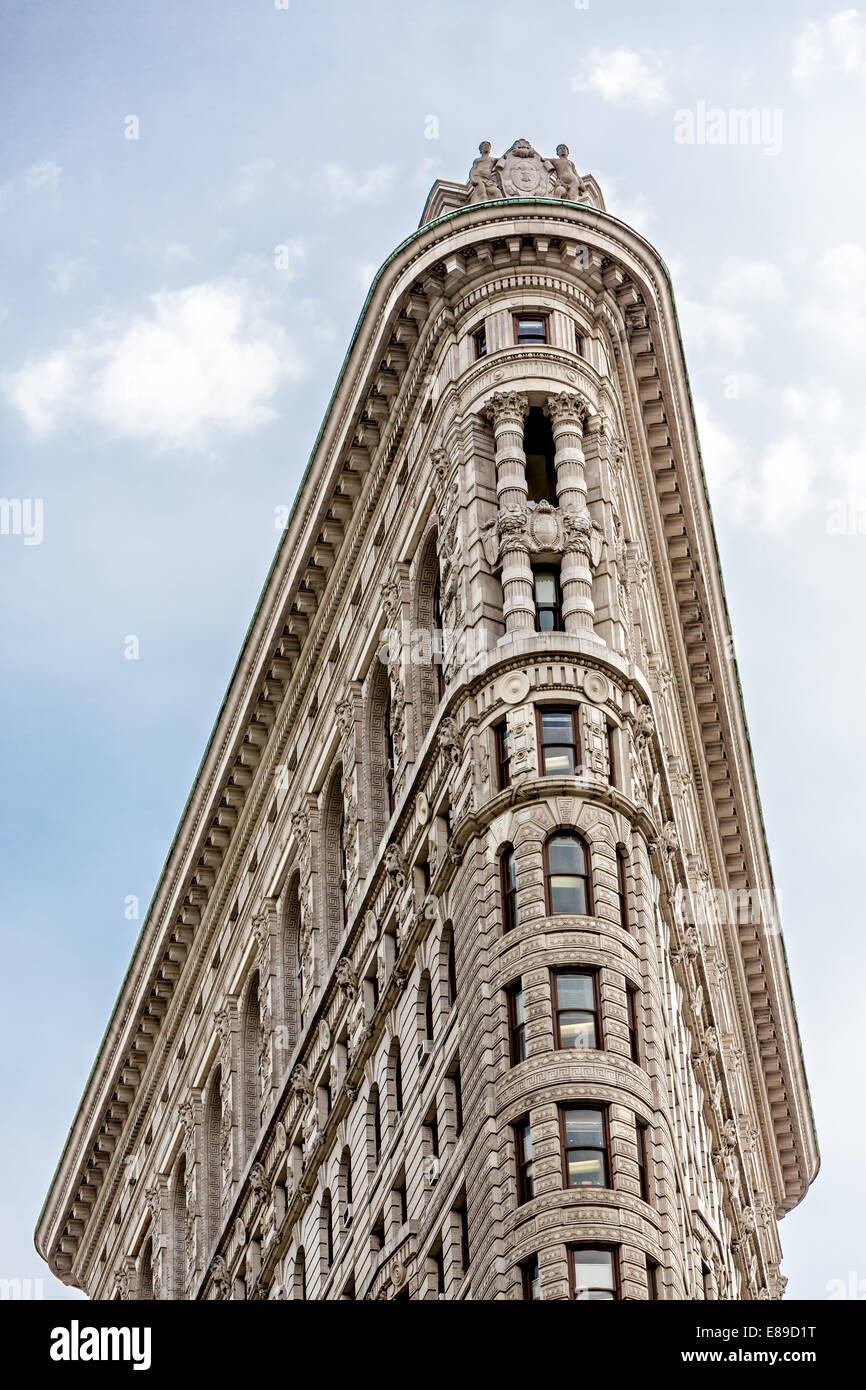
174 309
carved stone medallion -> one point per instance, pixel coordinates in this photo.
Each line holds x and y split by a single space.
523 173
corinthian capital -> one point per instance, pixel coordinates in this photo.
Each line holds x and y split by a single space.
507 407
566 409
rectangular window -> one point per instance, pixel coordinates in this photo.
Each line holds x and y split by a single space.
463 1217
631 1021
559 744
592 1274
529 1280
438 1258
516 1024
548 601
575 1009
458 1101
530 328
611 755
480 341
583 1130
523 1156
503 755
642 1159
578 342
508 888
653 1279
622 887
431 1124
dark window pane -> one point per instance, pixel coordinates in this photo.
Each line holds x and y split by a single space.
567 894
575 992
584 1127
593 1274
577 1030
557 726
566 855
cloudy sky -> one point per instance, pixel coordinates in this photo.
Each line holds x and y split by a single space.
193 201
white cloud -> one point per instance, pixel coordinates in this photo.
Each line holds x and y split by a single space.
624 75
343 186
44 175
708 326
35 179
204 358
254 178
65 271
771 494
836 307
817 405
722 320
835 45
750 281
633 209
177 253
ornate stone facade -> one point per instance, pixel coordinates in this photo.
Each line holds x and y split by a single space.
463 977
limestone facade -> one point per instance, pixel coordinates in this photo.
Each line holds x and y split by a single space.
463 977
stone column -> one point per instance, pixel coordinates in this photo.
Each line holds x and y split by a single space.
507 410
567 414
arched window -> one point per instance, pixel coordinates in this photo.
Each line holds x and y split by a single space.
145 1270
425 1008
300 1281
291 954
450 968
395 1071
508 888
540 467
566 874
438 643
251 1063
428 620
178 1229
382 761
374 1126
334 857
389 754
212 1157
622 885
346 1186
327 1232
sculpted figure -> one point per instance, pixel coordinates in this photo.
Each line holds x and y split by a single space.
482 177
569 184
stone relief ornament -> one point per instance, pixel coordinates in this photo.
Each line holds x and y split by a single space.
346 977
483 181
644 726
219 1276
450 741
258 1181
300 1082
546 528
524 173
567 182
395 866
582 535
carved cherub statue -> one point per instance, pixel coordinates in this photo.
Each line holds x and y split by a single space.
568 183
482 177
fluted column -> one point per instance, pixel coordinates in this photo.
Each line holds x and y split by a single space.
567 414
507 410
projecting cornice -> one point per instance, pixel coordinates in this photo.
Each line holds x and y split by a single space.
381 412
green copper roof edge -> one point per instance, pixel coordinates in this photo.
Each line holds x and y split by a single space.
407 241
